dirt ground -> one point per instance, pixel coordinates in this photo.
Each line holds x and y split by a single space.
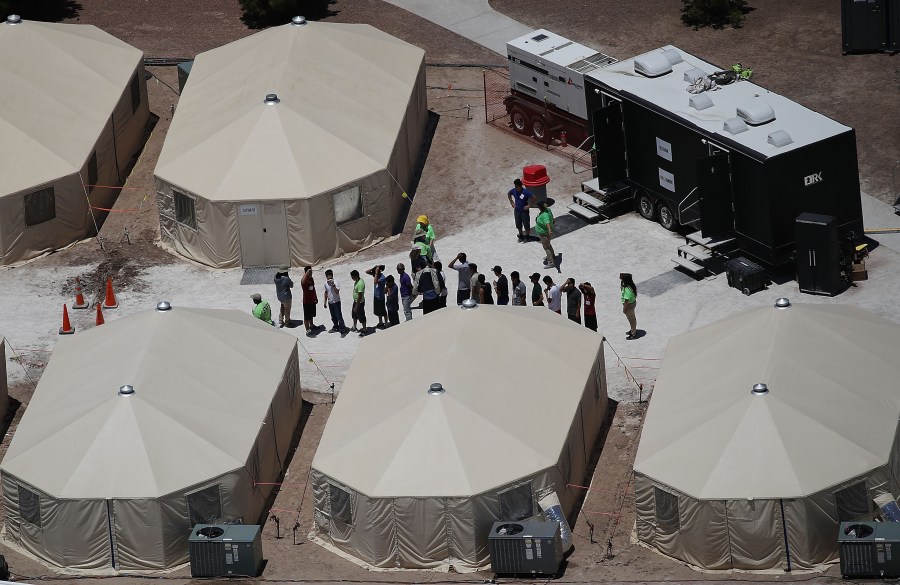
469 167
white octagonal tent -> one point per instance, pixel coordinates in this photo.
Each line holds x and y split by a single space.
145 426
292 146
765 431
405 478
73 112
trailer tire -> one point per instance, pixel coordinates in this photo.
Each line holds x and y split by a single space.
519 120
666 217
539 130
645 205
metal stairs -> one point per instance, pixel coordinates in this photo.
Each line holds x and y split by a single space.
697 251
592 202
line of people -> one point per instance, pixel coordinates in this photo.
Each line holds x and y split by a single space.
391 293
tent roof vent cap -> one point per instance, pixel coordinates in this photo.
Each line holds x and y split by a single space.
13 19
126 390
700 101
298 21
652 65
759 390
436 389
469 304
782 303
163 306
271 99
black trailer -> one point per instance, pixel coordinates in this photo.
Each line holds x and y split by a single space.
739 161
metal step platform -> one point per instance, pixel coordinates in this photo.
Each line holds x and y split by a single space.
583 212
690 265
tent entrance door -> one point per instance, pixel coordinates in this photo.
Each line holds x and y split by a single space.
263 234
112 533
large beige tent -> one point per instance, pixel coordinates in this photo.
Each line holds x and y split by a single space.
98 476
731 475
316 170
405 478
73 112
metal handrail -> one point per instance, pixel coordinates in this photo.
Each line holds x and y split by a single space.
679 210
580 156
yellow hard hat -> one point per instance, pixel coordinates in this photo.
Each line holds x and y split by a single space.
423 219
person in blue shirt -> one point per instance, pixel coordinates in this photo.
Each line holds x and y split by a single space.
521 201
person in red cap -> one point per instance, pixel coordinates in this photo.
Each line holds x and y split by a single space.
521 200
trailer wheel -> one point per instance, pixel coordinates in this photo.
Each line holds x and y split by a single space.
645 206
519 120
539 129
666 217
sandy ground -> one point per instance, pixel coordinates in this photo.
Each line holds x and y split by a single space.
469 168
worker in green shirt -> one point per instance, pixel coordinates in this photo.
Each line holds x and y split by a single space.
629 302
358 311
543 227
261 309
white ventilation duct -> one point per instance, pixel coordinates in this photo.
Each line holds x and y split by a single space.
652 65
780 138
700 101
756 112
735 126
692 75
673 56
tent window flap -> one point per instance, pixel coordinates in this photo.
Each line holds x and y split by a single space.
347 205
852 502
40 206
205 506
666 508
185 210
29 506
517 503
339 502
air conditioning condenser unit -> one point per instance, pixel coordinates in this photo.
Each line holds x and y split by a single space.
222 550
525 548
869 549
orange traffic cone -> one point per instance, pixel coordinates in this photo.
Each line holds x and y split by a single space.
67 328
99 320
110 302
79 298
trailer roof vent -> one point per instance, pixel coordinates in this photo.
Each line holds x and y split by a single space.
780 138
692 75
673 56
652 65
735 126
701 101
756 112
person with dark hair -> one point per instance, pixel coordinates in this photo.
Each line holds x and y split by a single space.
573 300
521 201
590 307
283 286
358 310
629 302
460 265
428 283
378 278
310 301
333 302
474 287
501 286
554 297
537 295
484 291
518 289
543 226
405 291
392 301
442 298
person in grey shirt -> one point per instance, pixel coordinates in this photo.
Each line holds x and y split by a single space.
518 289
573 300
283 286
460 265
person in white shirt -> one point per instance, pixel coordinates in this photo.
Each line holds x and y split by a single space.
553 296
333 302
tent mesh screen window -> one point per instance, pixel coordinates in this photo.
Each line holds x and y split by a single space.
339 503
666 509
517 503
205 506
40 206
92 172
347 205
135 93
852 502
29 506
185 210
